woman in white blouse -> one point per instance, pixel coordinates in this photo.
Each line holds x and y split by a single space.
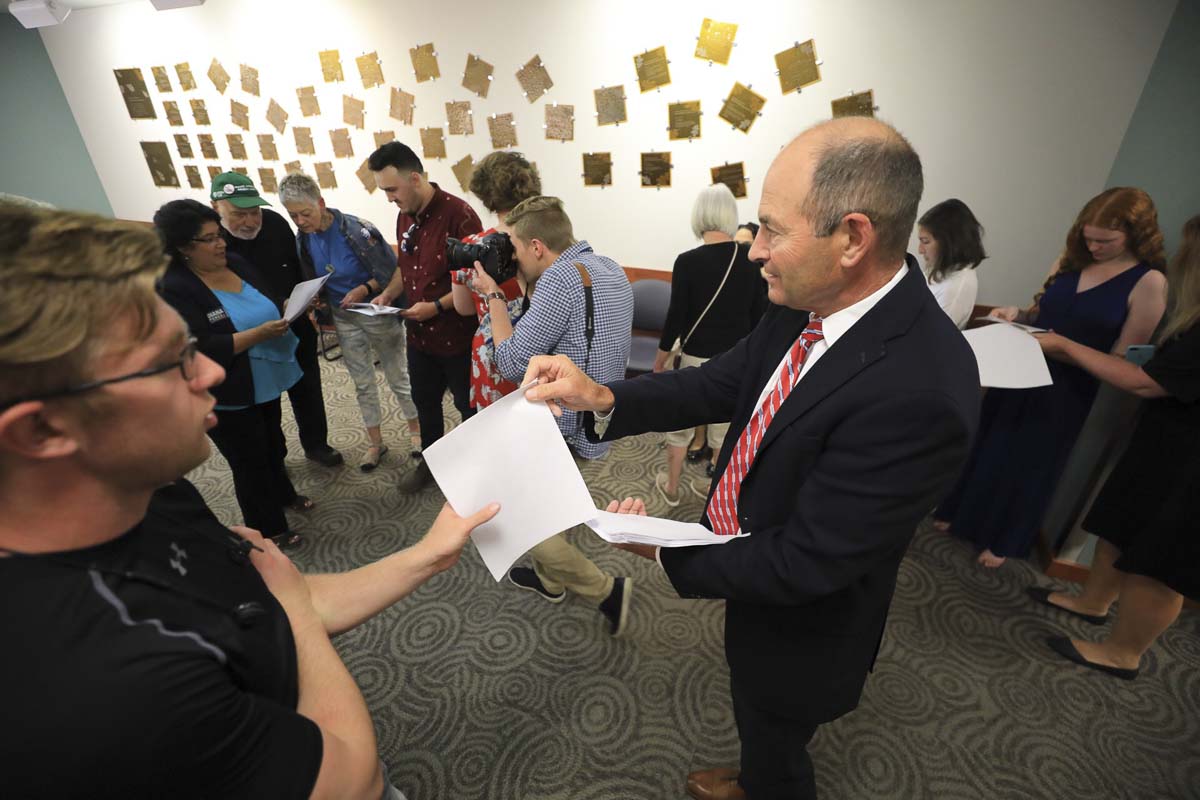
951 244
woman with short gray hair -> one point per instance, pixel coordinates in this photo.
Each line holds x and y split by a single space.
717 297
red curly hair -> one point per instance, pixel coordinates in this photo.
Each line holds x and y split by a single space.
1124 209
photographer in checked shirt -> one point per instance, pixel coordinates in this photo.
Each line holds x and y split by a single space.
579 305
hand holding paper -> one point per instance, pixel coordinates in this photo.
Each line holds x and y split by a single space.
561 383
302 295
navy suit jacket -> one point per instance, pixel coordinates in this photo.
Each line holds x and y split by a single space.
862 449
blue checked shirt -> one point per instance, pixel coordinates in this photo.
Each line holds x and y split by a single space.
554 324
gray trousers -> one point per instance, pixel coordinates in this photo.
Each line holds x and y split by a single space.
358 336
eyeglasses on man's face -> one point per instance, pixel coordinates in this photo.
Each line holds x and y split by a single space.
186 364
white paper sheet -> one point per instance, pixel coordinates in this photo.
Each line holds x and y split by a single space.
370 310
652 530
1017 325
1008 358
511 453
302 295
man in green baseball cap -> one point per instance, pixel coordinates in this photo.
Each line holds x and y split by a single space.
237 189
266 240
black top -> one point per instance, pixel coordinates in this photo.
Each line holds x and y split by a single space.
1176 367
694 280
272 252
128 672
212 327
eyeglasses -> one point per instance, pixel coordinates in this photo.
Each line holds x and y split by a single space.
212 238
185 365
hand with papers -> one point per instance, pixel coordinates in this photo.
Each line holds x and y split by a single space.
534 477
444 542
561 383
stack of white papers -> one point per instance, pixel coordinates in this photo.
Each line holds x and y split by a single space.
1017 325
369 310
631 528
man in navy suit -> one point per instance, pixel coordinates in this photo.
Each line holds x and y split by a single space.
855 400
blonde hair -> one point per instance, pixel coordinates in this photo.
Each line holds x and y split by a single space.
1183 277
66 279
542 218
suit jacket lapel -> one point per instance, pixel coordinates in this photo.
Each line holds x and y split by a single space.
861 346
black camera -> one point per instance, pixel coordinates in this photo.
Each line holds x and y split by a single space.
494 252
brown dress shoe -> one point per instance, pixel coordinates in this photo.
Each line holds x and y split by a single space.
715 784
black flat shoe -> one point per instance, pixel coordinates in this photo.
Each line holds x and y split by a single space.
1040 594
288 541
1063 646
326 456
369 464
699 455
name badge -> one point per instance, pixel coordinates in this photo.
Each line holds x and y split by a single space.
216 315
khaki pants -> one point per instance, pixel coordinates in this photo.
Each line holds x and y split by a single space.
560 566
715 432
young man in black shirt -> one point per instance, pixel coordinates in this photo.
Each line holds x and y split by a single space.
149 651
264 238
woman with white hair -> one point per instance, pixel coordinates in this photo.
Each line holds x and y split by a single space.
717 297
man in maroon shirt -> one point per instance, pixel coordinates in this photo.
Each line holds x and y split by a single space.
439 339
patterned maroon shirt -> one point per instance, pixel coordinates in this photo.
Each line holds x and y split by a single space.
422 264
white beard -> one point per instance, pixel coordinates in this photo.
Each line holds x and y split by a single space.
244 237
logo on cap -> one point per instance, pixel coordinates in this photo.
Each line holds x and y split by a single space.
230 188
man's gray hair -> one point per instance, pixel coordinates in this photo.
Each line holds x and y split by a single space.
715 209
299 188
879 176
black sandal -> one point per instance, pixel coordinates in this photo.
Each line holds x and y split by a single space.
303 504
700 454
288 540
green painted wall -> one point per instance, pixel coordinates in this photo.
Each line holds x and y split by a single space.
1161 149
42 154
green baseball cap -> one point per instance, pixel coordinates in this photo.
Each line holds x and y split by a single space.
237 189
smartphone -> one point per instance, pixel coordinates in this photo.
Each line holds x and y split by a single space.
1139 353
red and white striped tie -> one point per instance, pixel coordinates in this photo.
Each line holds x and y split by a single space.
722 507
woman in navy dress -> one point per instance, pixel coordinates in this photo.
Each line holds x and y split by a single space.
1148 545
1107 292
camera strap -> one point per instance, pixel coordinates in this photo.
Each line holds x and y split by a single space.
589 324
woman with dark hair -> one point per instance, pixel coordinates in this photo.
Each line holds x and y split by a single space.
745 233
236 323
1148 542
951 243
1107 292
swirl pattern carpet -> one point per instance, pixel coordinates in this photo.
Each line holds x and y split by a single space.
479 690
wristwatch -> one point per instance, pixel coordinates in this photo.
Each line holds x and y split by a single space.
437 303
496 296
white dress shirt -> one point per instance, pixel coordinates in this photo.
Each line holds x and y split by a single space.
956 294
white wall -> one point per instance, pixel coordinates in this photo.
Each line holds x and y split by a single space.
1017 107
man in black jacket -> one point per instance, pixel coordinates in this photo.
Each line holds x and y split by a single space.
265 239
854 402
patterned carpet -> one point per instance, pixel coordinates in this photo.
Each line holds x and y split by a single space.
480 690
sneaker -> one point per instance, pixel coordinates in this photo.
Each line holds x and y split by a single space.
615 607
660 483
325 456
416 480
526 578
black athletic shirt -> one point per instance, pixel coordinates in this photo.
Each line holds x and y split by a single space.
126 671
